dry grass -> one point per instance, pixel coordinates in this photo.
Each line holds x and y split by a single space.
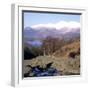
63 63
65 50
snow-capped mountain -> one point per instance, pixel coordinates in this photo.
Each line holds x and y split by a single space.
61 29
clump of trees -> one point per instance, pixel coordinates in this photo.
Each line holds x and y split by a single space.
73 54
27 53
32 52
51 44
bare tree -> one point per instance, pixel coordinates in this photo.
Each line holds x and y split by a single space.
51 44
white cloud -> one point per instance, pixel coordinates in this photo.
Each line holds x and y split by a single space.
59 25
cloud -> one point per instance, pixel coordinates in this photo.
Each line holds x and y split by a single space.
58 26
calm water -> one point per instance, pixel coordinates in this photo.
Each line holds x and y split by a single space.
35 43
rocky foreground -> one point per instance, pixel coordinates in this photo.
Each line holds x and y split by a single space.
51 66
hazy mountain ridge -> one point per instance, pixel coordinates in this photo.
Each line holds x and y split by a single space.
40 33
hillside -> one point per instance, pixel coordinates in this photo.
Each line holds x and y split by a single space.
65 50
61 61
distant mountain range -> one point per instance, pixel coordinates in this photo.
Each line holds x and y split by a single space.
41 31
31 33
